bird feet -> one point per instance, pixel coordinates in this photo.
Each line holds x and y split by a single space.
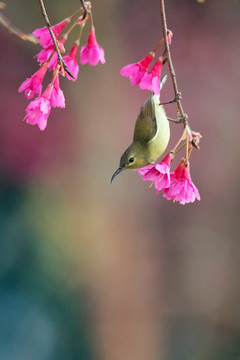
177 98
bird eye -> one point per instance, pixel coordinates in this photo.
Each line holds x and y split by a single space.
131 160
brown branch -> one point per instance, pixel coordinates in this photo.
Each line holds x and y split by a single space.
84 9
182 117
14 30
170 64
60 58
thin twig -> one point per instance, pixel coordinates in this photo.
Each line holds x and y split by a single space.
170 64
84 9
15 31
60 58
181 114
176 121
179 97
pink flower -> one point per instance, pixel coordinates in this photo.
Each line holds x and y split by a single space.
33 85
71 62
92 53
38 110
44 54
151 81
181 187
158 173
44 36
145 169
57 98
135 72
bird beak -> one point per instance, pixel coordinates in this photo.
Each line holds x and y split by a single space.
117 172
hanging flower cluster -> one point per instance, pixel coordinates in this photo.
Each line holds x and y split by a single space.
176 185
138 73
37 112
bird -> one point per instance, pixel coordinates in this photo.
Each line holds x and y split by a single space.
150 139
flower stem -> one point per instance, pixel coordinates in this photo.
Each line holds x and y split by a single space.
80 33
158 45
91 19
55 73
176 152
50 57
71 28
181 139
74 14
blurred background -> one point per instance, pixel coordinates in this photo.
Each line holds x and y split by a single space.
90 270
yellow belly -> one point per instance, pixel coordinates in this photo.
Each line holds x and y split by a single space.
158 144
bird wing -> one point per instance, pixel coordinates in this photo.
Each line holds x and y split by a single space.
146 124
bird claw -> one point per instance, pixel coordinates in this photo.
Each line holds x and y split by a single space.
177 98
176 121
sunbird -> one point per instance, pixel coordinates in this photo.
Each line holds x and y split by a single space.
150 139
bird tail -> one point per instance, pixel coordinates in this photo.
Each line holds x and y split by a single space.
148 106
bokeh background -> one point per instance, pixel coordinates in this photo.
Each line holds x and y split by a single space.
90 270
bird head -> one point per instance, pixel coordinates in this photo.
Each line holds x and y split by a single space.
133 158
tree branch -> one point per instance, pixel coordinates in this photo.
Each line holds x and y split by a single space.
60 58
182 117
14 30
84 9
170 64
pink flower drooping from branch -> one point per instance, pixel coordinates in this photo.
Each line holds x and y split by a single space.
158 173
44 54
71 62
92 53
38 110
136 71
151 80
181 186
33 85
57 98
44 36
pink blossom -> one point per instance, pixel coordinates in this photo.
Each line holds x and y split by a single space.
145 169
33 85
92 53
57 98
158 173
38 110
136 71
181 186
53 62
151 81
44 36
44 54
71 62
